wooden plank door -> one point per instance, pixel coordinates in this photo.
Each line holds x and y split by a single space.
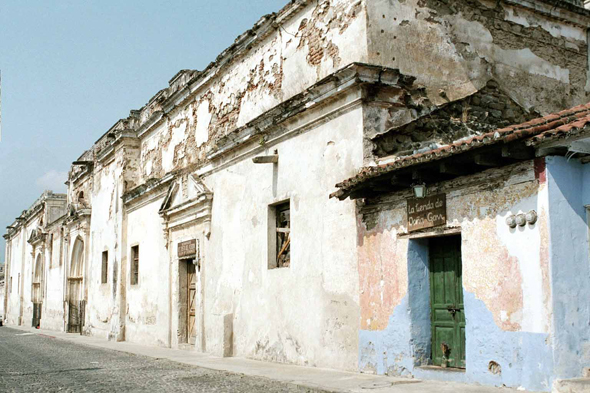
446 299
192 302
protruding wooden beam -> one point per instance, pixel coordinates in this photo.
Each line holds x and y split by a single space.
551 151
272 159
488 160
362 193
425 175
400 181
86 163
518 153
453 168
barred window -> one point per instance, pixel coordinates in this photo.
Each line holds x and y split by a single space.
105 267
280 233
134 265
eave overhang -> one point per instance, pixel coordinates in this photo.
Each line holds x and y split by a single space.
493 149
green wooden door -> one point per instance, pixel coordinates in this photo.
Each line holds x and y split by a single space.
446 301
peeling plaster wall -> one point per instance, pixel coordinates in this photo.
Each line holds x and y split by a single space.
306 48
106 211
308 313
456 47
507 288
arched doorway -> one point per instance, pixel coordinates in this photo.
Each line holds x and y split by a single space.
37 295
75 284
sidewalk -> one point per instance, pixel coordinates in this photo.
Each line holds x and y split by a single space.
315 379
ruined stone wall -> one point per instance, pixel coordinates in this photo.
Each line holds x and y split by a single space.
304 49
487 110
507 287
483 64
454 48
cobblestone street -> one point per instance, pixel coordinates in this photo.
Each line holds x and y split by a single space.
33 363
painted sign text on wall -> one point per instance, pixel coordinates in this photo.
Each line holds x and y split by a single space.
187 248
427 212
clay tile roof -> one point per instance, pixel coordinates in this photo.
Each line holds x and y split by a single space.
554 126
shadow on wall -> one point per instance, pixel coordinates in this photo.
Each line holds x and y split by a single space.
493 356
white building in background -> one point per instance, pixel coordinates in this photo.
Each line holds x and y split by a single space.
203 220
1 292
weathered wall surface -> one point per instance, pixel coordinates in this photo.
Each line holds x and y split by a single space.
53 303
308 47
30 256
148 302
456 47
483 64
568 182
106 209
507 288
13 268
306 313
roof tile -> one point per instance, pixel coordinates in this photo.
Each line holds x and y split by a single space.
538 130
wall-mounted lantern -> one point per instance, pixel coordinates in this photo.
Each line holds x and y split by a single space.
419 190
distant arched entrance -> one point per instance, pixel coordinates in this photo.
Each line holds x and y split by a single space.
75 286
37 294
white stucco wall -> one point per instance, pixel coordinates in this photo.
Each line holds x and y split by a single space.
148 302
104 230
307 313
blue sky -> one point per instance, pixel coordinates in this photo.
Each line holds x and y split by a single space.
71 69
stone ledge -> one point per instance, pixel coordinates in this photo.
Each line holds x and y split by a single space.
576 385
443 369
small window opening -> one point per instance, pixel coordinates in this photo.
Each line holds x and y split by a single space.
81 197
134 265
105 267
51 251
282 235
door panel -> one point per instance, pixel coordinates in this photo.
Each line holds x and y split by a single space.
446 296
74 318
36 314
192 302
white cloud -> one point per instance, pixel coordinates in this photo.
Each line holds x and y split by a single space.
53 180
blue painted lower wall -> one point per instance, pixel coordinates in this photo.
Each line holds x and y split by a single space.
526 359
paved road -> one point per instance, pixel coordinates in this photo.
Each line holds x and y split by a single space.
33 363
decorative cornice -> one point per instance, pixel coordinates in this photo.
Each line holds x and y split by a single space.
336 84
37 236
150 187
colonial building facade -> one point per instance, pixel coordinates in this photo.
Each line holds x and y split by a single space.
209 219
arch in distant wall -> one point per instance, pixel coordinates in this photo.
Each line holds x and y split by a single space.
75 275
37 296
